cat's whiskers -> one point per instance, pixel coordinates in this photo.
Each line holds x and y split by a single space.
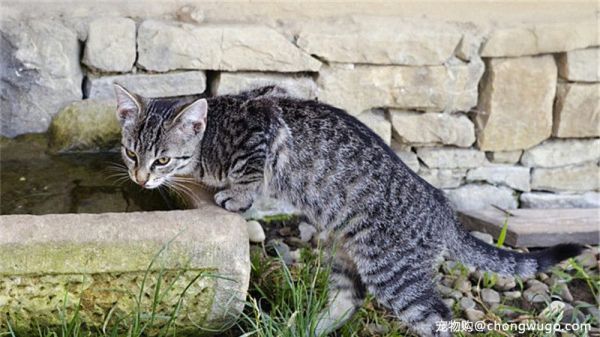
183 191
119 173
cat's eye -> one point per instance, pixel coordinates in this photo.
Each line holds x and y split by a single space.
162 161
130 154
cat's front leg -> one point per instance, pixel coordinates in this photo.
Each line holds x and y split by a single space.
237 198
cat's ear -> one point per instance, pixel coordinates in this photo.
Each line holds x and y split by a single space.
193 117
128 105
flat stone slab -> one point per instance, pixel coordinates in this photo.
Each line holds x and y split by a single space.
103 262
537 227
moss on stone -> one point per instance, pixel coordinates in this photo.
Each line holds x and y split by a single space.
32 300
86 125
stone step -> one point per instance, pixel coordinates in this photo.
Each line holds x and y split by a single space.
98 263
537 227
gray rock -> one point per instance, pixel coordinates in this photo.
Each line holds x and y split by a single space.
577 110
580 65
505 282
485 237
40 72
573 314
408 157
501 91
169 45
504 157
306 231
508 41
536 292
588 259
490 296
449 157
467 303
282 250
296 255
449 302
425 42
568 178
301 86
563 291
256 233
553 309
443 178
513 295
475 196
148 85
357 88
562 152
560 200
376 120
110 44
516 177
474 315
377 329
448 281
449 292
432 128
588 308
462 284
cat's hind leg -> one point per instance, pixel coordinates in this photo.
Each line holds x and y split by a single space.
404 281
346 294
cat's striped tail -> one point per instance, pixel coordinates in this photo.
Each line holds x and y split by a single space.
472 251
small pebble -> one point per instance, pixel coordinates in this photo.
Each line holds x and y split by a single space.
535 284
306 231
513 295
449 292
467 303
587 259
505 282
490 296
256 233
552 310
377 329
296 255
572 314
564 292
536 292
449 302
282 250
462 284
449 266
588 308
485 237
448 281
285 231
474 315
22 179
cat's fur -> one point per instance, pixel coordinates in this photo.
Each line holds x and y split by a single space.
391 226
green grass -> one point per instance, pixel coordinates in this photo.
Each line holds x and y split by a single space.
284 301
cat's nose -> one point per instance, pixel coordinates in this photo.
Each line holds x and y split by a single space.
141 178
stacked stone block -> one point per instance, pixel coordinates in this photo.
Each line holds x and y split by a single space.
508 117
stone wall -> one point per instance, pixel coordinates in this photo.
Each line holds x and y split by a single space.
505 115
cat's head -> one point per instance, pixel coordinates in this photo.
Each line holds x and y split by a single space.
160 136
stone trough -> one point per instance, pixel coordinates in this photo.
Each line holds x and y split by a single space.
108 267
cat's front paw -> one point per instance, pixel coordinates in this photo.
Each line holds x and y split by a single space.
231 202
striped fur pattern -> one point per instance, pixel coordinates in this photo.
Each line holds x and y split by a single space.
392 227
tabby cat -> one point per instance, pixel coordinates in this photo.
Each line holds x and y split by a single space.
391 226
